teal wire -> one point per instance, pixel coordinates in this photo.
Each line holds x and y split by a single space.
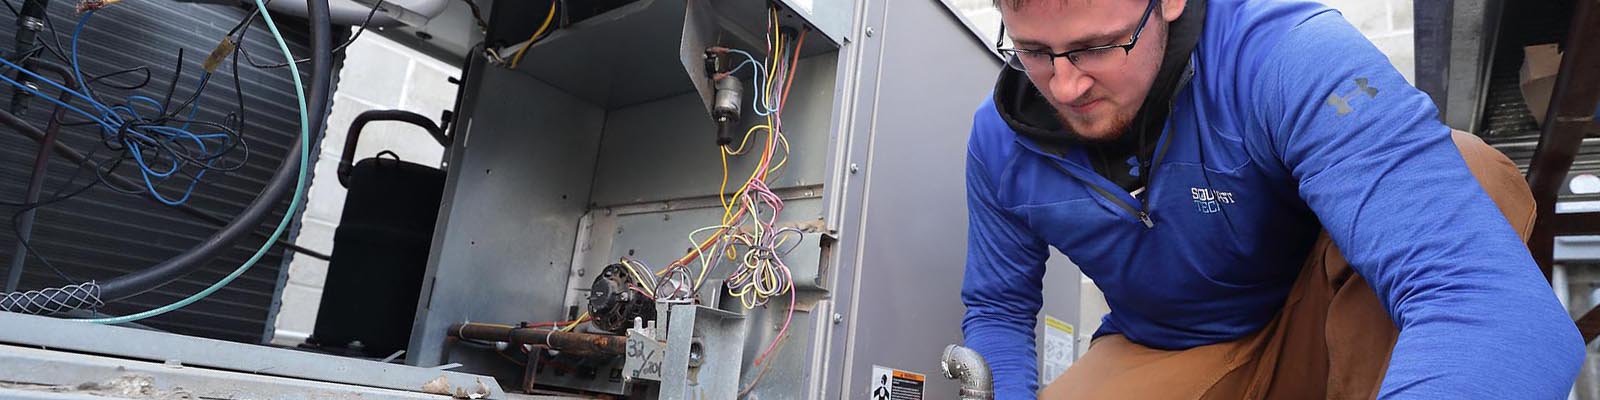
294 204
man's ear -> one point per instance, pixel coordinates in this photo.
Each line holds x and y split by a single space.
1171 9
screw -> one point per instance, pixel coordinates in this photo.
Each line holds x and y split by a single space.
580 272
869 31
854 168
837 318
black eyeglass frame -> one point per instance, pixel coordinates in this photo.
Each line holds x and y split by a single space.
1011 54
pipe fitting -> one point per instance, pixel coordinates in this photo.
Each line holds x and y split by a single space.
968 367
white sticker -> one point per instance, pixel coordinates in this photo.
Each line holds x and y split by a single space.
1058 349
893 384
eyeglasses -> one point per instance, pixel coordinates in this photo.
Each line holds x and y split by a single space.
1097 58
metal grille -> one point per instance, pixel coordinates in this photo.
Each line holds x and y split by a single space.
103 234
1509 125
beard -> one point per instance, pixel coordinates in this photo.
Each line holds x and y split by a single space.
1101 130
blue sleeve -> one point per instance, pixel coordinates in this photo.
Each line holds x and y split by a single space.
1002 289
1476 317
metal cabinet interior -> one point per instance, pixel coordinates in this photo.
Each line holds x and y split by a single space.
549 185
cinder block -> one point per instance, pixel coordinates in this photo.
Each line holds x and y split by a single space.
429 92
1401 50
344 110
1371 17
308 272
325 200
297 314
1403 17
315 235
373 72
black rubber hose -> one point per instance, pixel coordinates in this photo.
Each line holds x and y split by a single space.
347 159
281 183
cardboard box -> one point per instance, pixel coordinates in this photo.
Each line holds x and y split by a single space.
1540 65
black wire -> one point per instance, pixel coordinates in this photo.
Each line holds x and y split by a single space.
56 197
17 230
205 78
92 79
58 51
177 72
238 90
248 23
146 81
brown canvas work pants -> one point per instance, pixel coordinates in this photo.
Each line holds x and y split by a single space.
1332 340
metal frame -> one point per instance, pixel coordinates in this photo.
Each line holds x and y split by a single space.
1455 44
1570 117
53 374
900 179
160 347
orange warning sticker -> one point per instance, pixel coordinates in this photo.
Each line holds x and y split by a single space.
909 376
894 384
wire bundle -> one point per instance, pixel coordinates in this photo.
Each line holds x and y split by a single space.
515 58
161 143
146 131
748 234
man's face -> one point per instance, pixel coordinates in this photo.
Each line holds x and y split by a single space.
1099 104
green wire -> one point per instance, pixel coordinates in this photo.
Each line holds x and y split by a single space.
294 204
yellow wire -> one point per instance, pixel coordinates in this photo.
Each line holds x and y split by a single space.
632 269
516 59
705 264
785 141
763 282
727 211
576 322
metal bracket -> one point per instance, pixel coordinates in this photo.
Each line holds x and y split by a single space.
699 357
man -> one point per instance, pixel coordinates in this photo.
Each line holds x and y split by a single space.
1186 155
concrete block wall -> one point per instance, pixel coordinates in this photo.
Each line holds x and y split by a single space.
379 74
1388 23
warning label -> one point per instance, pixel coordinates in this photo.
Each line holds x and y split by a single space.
894 384
1058 349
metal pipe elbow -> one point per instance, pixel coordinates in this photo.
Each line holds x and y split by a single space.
963 364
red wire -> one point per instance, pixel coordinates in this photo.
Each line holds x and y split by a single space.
793 65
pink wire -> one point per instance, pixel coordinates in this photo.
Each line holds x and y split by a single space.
786 319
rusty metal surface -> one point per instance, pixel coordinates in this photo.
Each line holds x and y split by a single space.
567 342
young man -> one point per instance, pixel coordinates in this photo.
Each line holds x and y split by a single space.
1186 155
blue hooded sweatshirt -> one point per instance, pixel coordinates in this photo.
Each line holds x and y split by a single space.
1289 123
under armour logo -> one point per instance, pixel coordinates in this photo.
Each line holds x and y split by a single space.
1341 104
